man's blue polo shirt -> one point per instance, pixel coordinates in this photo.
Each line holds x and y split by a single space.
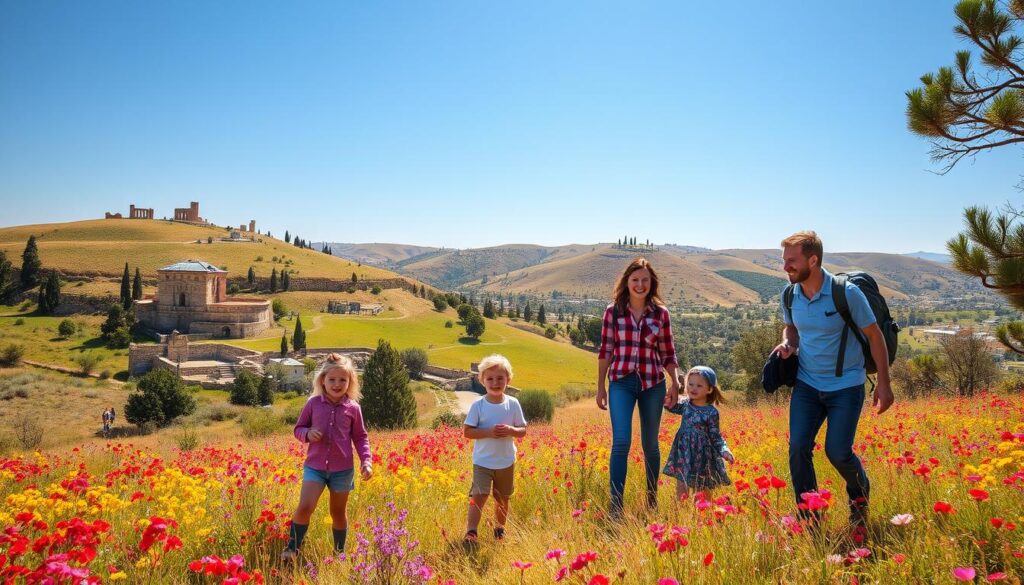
821 328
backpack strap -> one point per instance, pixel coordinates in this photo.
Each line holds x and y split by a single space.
843 307
787 301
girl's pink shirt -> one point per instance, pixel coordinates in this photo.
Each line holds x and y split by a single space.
341 426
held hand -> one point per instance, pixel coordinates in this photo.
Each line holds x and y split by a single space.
313 435
502 430
602 398
367 472
883 397
672 394
785 350
729 457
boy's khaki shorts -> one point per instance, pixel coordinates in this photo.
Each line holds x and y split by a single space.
500 482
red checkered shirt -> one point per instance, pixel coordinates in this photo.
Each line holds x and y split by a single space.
645 348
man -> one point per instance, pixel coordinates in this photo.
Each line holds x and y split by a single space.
816 328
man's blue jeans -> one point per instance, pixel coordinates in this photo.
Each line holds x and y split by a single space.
808 409
623 395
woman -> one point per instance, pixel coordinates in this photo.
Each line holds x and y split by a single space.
636 351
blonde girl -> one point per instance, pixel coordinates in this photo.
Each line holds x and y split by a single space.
331 423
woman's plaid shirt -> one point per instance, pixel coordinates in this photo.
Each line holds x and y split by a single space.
644 347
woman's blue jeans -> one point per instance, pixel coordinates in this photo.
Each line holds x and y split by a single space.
808 409
623 395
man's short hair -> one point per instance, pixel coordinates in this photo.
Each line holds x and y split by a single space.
809 242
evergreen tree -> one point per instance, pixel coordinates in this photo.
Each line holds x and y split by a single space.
541 317
475 325
273 281
287 237
6 276
528 312
30 264
355 278
126 288
423 292
245 389
251 277
284 345
414 290
284 280
265 392
49 293
387 401
299 338
137 285
489 309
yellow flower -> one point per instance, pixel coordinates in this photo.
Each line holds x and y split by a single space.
118 576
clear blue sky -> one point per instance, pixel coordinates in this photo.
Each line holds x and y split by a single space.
467 124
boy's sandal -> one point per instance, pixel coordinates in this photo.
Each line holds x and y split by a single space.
471 536
499 533
288 556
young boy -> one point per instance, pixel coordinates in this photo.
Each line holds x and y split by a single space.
493 420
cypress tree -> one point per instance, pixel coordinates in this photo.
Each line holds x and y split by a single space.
354 277
387 401
284 280
49 293
273 281
30 264
284 345
299 338
6 275
251 276
528 312
265 391
287 237
541 317
126 288
137 286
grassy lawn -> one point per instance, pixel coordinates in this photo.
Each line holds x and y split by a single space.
38 334
538 362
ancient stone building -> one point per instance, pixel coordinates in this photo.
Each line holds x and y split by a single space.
133 213
191 298
190 213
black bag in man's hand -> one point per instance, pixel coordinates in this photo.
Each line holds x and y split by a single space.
779 372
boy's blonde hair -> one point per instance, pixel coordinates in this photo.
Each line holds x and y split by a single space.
336 360
491 361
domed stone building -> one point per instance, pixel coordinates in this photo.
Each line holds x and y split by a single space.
192 298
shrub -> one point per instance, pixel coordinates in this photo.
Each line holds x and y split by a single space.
87 362
538 405
448 419
28 432
415 360
570 393
67 328
448 324
291 414
259 423
376 290
217 413
1012 383
188 440
105 375
550 332
11 354
245 389
279 309
19 321
161 397
233 289
440 303
310 365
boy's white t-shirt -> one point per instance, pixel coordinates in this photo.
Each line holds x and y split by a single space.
495 453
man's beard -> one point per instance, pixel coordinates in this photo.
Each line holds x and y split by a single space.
799 276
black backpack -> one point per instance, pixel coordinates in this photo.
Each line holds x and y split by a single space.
869 287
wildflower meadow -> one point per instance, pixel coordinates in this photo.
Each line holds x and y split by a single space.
947 506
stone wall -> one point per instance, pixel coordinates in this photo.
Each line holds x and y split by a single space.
141 356
448 373
320 284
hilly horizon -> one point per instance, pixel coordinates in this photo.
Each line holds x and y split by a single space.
725 276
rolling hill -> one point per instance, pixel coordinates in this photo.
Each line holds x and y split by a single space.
377 254
100 248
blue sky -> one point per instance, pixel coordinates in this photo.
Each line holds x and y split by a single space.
468 124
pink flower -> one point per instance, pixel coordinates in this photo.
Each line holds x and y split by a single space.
996 577
522 566
667 581
554 554
599 579
561 573
964 573
902 519
900 558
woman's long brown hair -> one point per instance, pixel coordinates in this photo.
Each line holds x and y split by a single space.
621 294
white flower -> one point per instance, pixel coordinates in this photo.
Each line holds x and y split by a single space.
834 559
902 519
